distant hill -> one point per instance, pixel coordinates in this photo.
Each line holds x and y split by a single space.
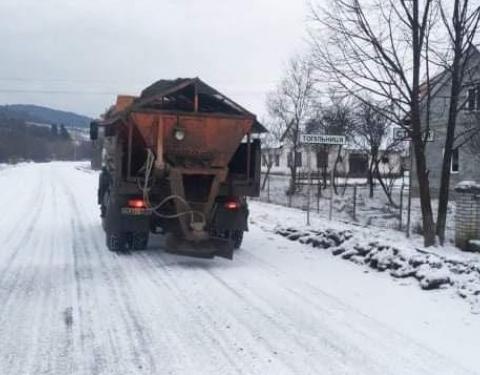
44 115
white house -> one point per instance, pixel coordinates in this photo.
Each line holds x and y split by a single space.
351 162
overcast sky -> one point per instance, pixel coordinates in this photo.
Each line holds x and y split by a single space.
78 54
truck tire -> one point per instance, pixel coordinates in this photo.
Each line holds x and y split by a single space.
237 238
116 241
139 240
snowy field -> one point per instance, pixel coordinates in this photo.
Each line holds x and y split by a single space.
69 306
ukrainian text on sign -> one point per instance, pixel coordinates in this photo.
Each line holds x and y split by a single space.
322 139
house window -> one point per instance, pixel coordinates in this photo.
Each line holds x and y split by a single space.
358 164
277 160
473 98
322 159
478 97
455 163
298 159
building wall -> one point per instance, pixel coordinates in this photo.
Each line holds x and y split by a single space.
283 168
468 158
394 164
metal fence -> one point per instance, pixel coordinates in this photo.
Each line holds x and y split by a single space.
351 203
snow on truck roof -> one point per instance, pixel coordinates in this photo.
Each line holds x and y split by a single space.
181 94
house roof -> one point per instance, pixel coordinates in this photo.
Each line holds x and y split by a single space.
443 77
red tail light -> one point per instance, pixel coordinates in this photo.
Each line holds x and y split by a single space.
232 205
136 203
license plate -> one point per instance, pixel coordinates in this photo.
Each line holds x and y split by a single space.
134 211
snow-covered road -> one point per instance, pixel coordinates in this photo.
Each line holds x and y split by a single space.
69 306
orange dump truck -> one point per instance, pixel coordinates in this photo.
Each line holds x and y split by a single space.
179 160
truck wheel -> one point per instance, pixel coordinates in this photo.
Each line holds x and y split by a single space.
237 238
116 241
140 240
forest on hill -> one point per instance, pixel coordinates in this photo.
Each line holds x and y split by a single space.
44 115
24 141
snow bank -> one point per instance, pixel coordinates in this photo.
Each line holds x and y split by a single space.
433 271
467 185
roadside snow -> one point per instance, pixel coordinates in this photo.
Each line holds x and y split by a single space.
440 268
437 319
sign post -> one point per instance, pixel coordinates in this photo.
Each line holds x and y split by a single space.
309 167
323 139
330 210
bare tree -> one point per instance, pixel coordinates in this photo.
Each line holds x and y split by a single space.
372 134
461 26
378 48
336 118
271 146
289 107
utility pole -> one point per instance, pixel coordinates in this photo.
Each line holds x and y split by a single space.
409 209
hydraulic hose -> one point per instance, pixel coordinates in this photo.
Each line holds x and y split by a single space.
145 188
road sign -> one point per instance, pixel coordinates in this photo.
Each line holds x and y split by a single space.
320 139
323 139
400 134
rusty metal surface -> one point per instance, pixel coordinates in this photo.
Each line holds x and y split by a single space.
209 142
177 187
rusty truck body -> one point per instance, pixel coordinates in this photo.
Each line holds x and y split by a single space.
180 159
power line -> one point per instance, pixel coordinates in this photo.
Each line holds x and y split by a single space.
56 92
105 82
106 93
48 80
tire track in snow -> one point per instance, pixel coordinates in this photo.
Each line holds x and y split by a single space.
278 324
129 260
332 341
165 320
368 331
48 292
11 195
93 357
93 250
269 322
220 339
18 233
278 334
55 344
24 283
214 341
284 325
76 308
10 280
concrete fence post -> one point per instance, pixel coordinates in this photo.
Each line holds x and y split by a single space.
467 216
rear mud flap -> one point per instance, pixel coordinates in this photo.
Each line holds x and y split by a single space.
203 249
